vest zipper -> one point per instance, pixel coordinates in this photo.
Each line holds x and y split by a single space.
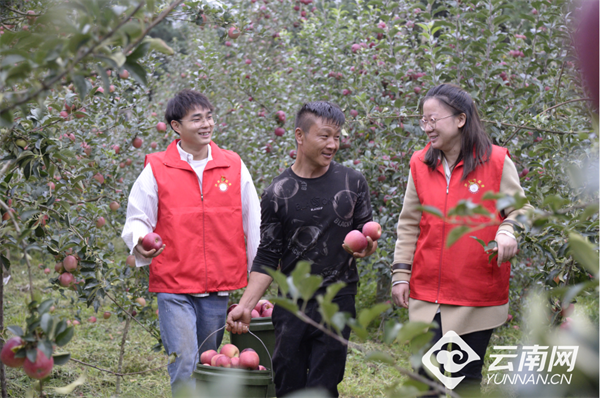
204 238
443 234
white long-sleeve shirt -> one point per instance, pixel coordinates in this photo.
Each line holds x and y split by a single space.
142 208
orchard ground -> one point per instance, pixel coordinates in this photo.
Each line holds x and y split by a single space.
98 344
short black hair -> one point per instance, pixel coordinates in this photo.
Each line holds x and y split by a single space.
183 102
327 111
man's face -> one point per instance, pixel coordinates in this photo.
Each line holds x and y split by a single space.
321 143
196 127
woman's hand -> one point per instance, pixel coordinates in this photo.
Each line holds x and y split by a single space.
400 294
507 248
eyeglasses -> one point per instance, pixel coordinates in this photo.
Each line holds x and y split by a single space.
199 121
424 122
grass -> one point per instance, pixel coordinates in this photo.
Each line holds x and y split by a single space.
98 344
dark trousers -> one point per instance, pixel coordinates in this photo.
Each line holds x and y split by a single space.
305 357
470 386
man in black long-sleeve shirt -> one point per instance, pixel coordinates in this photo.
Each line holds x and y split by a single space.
306 213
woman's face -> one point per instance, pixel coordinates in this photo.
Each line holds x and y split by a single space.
446 135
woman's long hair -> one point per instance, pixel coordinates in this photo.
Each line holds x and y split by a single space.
476 146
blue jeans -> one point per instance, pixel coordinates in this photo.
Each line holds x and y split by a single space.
185 321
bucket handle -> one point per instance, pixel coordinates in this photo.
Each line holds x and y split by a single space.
197 357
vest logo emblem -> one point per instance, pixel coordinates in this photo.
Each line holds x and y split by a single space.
223 184
474 185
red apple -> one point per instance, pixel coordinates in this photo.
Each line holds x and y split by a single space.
92 319
47 271
141 301
247 349
99 177
114 206
354 113
231 307
280 116
230 350
372 229
258 306
567 311
207 356
235 362
266 312
161 126
255 314
249 360
223 362
152 241
153 145
40 368
58 267
8 355
100 222
124 74
509 318
293 154
233 33
279 132
355 241
130 261
106 315
260 367
213 361
137 142
70 263
66 279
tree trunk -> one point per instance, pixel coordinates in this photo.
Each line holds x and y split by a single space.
384 283
2 374
123 340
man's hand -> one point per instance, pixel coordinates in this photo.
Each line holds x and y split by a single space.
148 254
400 294
371 248
507 248
238 320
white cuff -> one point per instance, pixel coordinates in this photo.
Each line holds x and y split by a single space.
503 232
399 282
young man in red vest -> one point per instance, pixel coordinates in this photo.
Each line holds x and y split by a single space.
201 200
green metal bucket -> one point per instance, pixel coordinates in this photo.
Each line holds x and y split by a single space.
263 329
215 381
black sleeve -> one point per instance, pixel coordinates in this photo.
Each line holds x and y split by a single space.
270 248
363 212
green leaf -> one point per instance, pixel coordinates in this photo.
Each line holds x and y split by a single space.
64 337
332 290
159 45
46 347
285 303
410 330
456 234
482 243
380 357
431 210
308 286
6 119
139 52
46 323
137 72
584 253
367 315
81 85
281 280
61 359
390 331
16 330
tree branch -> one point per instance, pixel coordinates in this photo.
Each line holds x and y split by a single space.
47 85
566 102
131 316
158 19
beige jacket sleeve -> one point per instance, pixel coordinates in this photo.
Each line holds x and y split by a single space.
510 185
408 233
410 217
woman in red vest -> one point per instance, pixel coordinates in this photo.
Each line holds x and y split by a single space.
456 286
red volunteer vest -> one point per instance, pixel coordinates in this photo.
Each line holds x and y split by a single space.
203 231
460 274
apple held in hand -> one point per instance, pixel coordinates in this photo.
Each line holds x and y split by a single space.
355 241
152 241
372 229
